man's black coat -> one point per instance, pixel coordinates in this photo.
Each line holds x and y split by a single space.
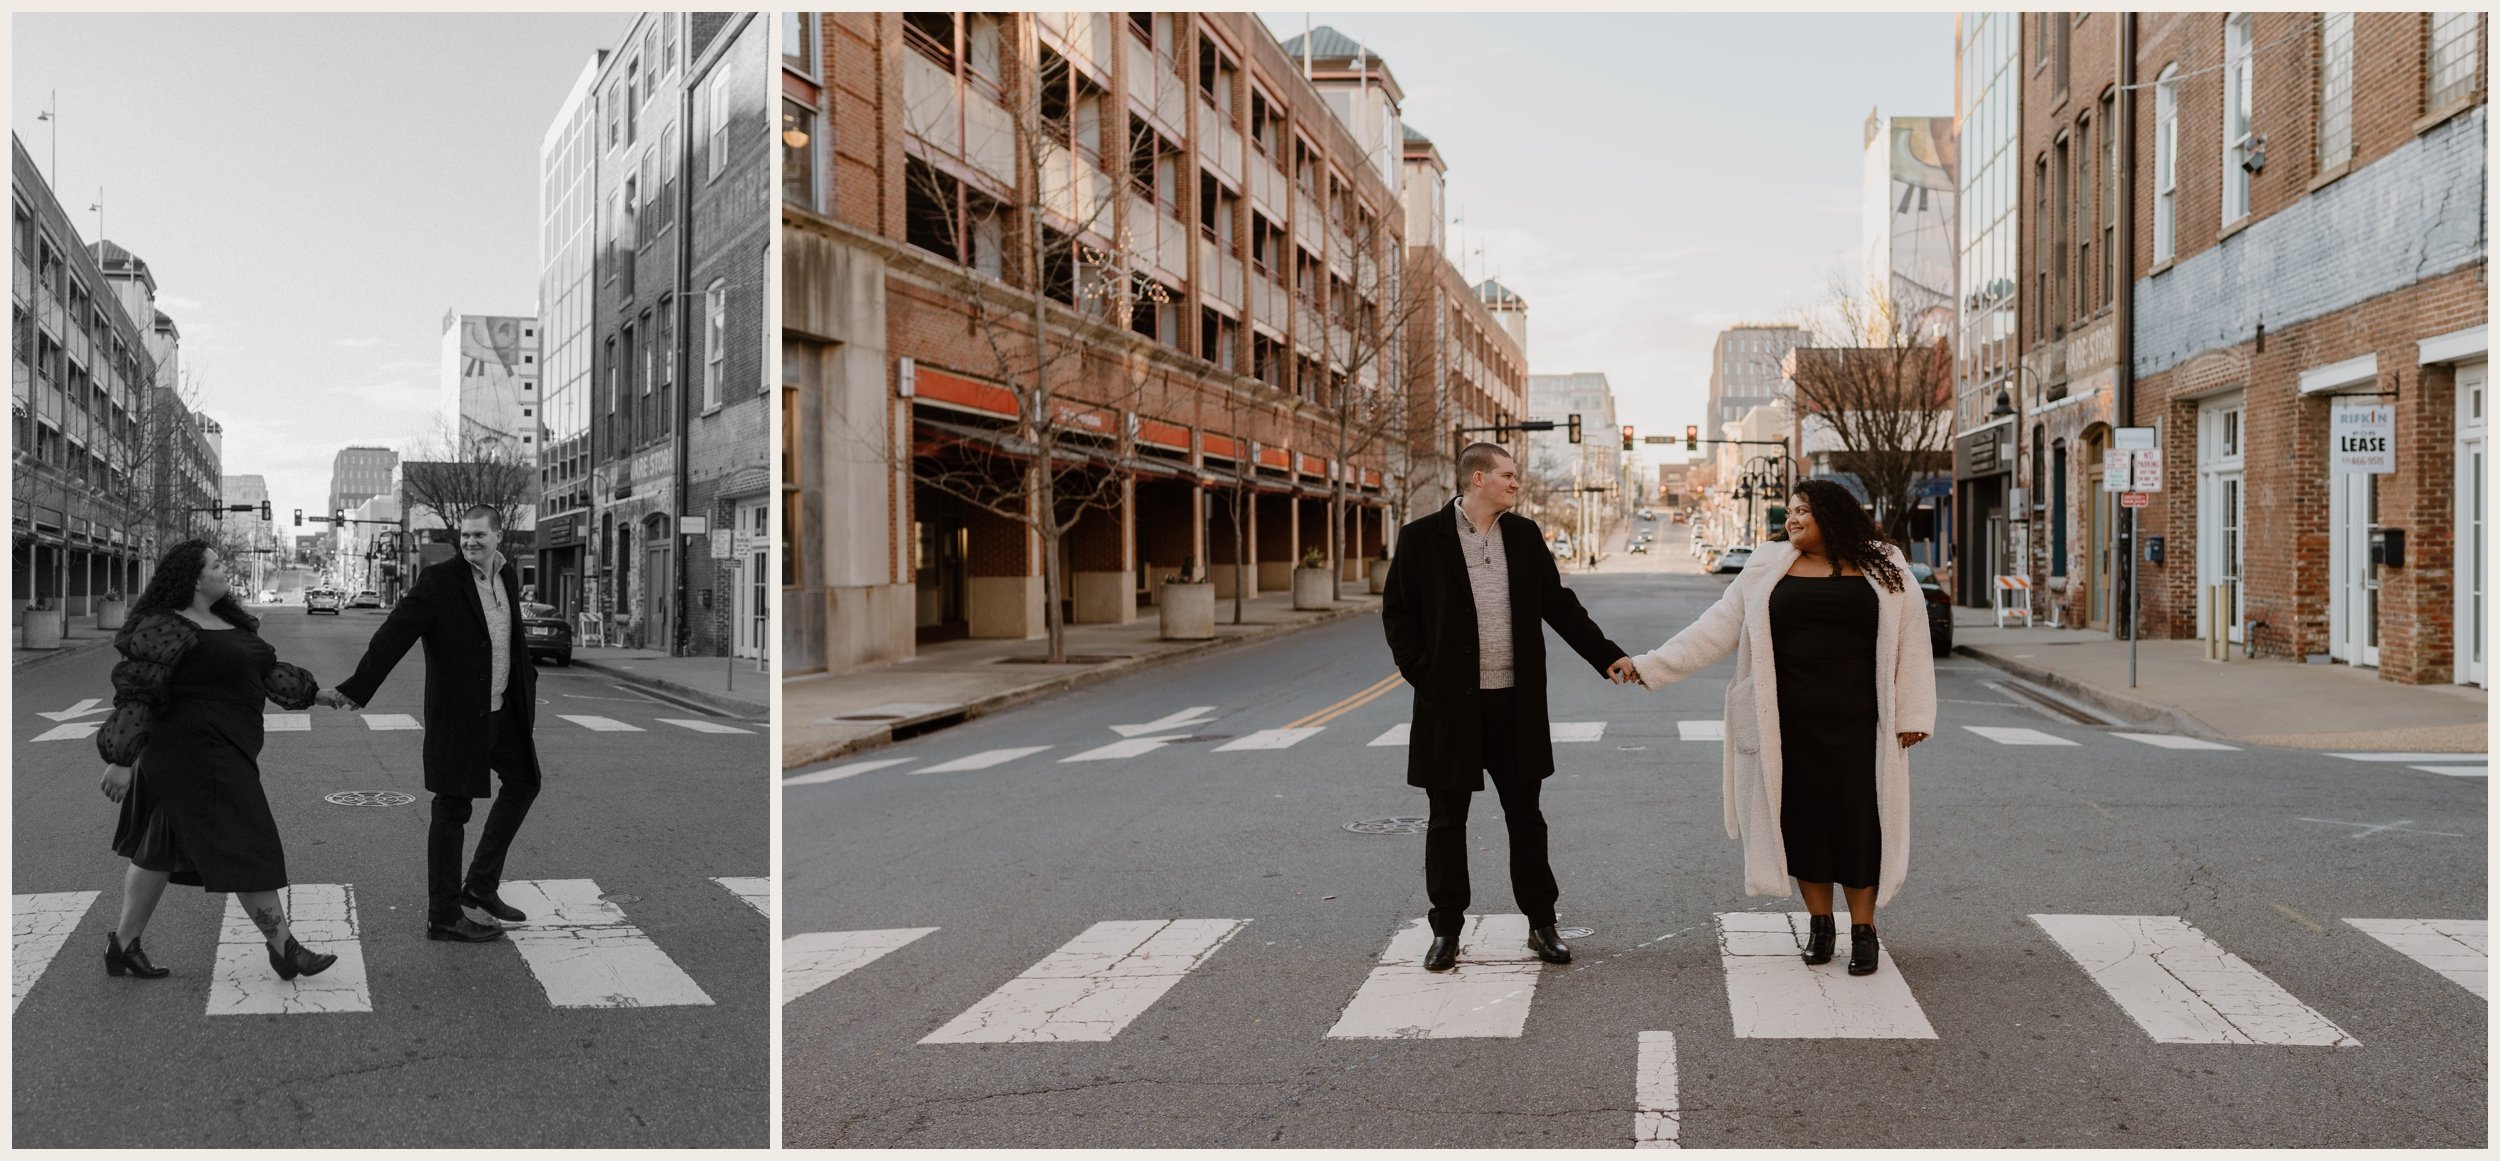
1429 613
442 610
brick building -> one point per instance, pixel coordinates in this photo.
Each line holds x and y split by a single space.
1213 236
1466 356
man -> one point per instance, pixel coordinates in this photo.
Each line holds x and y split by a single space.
1466 591
481 697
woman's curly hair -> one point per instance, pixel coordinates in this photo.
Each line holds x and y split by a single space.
177 576
1849 534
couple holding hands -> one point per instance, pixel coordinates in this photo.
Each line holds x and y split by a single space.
1834 683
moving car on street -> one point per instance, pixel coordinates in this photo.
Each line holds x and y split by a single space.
367 599
548 633
1732 560
321 601
1939 609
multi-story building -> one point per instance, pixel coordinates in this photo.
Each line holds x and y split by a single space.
490 385
358 474
247 530
1217 240
1908 193
1558 469
1987 108
1466 367
567 246
1745 370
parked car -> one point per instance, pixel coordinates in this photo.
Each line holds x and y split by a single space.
1732 560
1646 514
269 596
1562 548
548 633
1701 548
367 599
321 601
1640 546
1939 609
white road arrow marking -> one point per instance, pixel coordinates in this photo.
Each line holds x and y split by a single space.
1187 717
82 709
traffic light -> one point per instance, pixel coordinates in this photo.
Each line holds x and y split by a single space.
1575 428
299 517
1627 437
1692 437
264 511
338 519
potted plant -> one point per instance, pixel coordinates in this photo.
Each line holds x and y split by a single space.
45 624
1380 570
111 611
1311 582
1187 605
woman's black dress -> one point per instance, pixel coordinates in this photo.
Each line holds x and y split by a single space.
195 806
1823 646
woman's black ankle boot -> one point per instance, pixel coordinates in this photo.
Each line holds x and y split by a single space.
1819 937
300 960
129 961
1862 949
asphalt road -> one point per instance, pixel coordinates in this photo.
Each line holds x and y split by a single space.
463 1044
2265 853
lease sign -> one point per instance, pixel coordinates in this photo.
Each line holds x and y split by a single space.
2365 438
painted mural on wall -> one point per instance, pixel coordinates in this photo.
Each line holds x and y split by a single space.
1924 221
491 370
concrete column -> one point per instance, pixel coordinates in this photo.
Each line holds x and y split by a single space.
1102 560
1003 594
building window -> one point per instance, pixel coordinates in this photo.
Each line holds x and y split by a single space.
798 155
2238 74
2334 90
633 98
2057 509
2166 165
715 339
718 102
798 42
2452 60
2085 182
2109 198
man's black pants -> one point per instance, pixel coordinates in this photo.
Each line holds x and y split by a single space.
509 756
1445 838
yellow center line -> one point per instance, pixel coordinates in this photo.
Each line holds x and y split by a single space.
1328 713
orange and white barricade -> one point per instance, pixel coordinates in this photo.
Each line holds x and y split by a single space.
2003 599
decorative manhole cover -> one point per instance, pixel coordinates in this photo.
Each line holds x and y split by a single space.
1403 824
622 898
1575 933
369 798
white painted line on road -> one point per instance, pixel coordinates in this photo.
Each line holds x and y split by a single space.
1394 735
603 725
586 954
2018 736
1713 730
1486 995
838 773
1093 986
1280 739
2456 771
1126 749
1655 1113
2181 987
2459 949
84 707
700 726
1579 731
39 925
286 723
2480 759
2172 741
812 959
323 918
67 732
981 761
1171 721
756 892
391 722
1773 994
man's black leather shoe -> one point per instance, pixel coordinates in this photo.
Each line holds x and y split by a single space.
492 904
1443 955
463 930
1548 945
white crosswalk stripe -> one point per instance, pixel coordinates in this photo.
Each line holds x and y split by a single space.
1713 730
1093 986
1393 736
286 723
1772 993
2019 736
67 731
392 722
1655 1109
1486 995
756 892
2459 949
2172 741
701 726
838 773
1127 748
1278 739
603 725
811 960
39 926
2455 771
981 761
1579 731
322 917
2477 759
2181 987
586 954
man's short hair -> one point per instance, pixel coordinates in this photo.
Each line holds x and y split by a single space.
1479 457
494 517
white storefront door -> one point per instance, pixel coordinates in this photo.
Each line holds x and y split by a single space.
750 608
2472 628
2352 602
2220 480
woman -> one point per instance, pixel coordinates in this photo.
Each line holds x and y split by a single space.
1834 683
181 754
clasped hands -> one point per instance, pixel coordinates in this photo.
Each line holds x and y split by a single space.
333 699
1623 672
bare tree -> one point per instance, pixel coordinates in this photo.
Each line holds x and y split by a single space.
1364 396
1884 387
140 462
449 471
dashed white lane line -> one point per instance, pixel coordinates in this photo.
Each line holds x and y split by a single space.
39 926
981 761
1773 994
323 919
1128 748
2459 949
2181 987
1579 731
1713 730
1278 739
756 892
67 731
1094 985
603 725
1655 1110
1394 735
2455 771
2018 736
812 959
700 726
391 722
2172 741
838 773
1486 995
586 954
286 723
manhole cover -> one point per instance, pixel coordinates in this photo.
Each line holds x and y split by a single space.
1404 824
369 798
622 898
1575 933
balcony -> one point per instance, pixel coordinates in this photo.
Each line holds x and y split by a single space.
1268 303
1073 189
1219 273
1218 141
930 109
1268 188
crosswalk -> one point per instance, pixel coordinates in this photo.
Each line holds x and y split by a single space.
578 945
304 723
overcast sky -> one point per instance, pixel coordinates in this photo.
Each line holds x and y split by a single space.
1645 180
312 192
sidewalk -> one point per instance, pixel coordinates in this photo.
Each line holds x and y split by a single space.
2261 702
825 716
729 685
76 640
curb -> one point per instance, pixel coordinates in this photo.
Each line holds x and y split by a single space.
2134 709
793 759
47 656
739 707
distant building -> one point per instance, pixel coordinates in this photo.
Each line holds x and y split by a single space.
358 474
490 384
247 529
1909 196
1745 371
1556 467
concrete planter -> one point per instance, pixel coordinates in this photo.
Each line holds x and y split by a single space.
1311 588
111 612
1188 611
1380 577
44 628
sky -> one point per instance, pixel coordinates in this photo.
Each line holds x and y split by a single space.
312 192
1646 180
